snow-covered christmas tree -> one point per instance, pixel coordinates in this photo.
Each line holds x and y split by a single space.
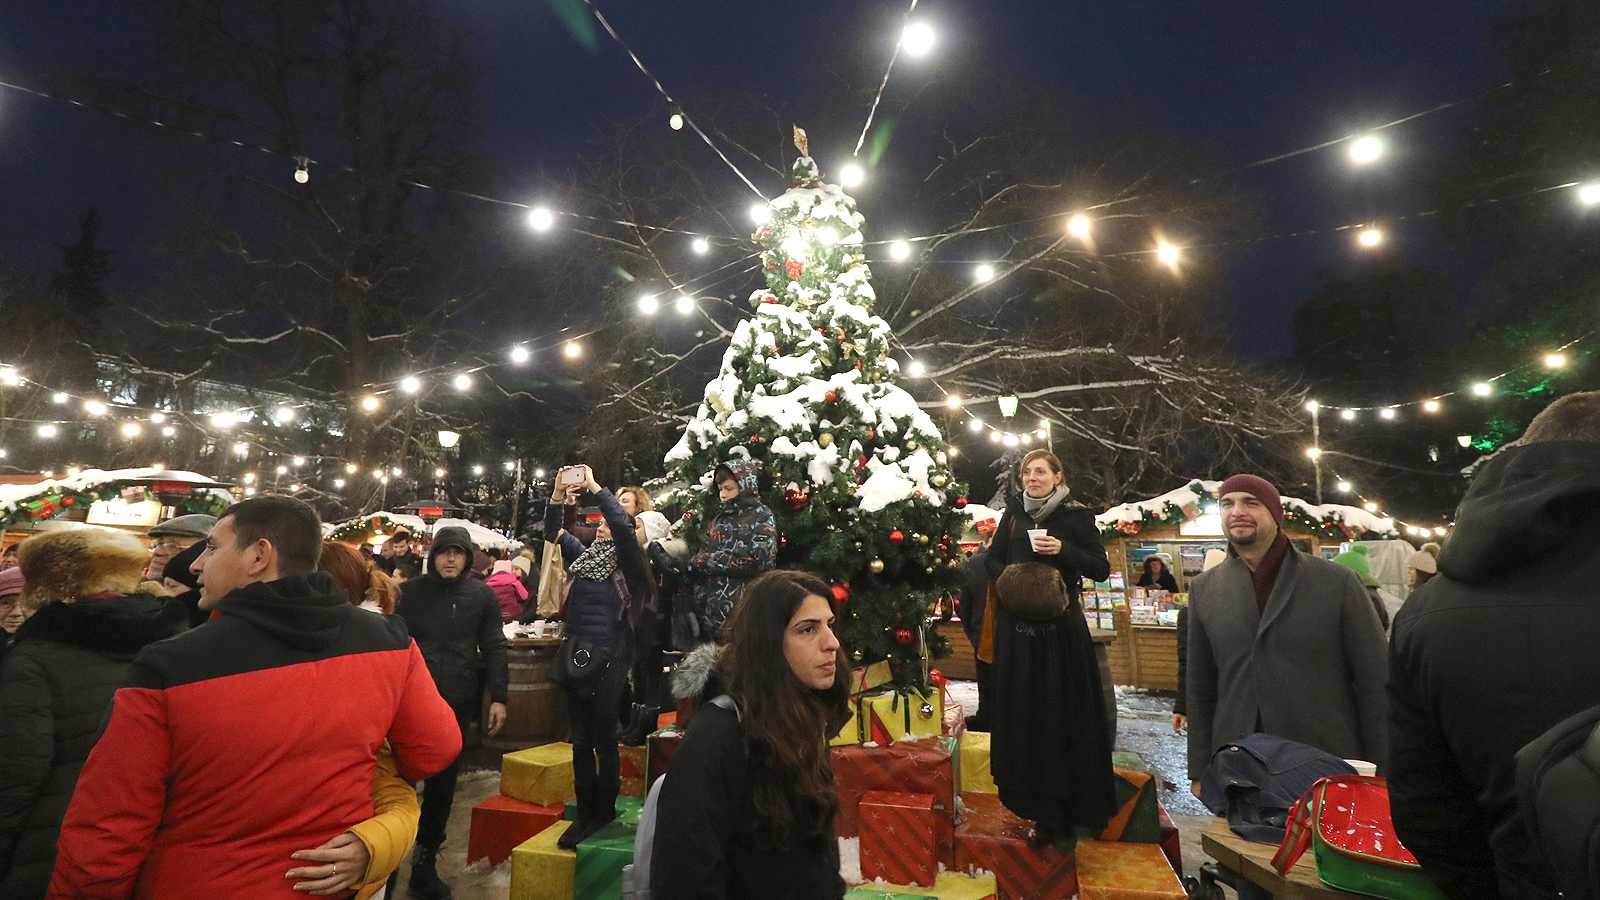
855 472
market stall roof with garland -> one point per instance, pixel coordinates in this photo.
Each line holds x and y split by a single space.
47 497
1330 520
362 527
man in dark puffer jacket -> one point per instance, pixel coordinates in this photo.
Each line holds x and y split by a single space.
455 620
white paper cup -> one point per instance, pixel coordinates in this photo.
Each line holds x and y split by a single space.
1363 767
1034 534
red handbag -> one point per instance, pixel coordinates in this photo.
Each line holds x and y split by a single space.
1345 821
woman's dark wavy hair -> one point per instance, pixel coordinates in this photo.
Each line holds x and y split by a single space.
787 725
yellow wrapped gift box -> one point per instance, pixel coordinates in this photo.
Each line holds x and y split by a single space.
540 870
539 775
884 717
975 774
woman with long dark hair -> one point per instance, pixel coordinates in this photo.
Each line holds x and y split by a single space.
750 793
1157 575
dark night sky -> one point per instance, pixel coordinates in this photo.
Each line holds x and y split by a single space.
1243 79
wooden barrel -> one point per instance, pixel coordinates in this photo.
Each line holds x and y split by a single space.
536 710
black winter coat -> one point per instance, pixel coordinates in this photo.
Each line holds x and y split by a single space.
1489 655
55 693
1050 727
456 624
710 851
970 605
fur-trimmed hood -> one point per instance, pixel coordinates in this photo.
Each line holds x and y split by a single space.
80 562
697 674
119 625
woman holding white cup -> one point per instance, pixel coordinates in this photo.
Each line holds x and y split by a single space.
1054 713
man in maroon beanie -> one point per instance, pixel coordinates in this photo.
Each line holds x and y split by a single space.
1281 642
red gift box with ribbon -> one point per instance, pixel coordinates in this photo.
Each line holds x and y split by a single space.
897 838
919 767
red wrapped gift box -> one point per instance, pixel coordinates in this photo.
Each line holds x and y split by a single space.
658 757
917 767
634 770
501 823
897 843
994 839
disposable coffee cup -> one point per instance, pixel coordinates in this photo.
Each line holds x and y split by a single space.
1363 767
1034 534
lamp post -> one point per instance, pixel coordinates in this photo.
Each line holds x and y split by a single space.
1315 452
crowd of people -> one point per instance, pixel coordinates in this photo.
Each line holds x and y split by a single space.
245 707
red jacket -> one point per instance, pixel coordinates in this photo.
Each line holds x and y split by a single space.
245 739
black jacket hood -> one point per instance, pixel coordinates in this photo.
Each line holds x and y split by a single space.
119 625
452 536
1525 502
304 611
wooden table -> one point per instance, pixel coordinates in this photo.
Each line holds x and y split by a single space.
1254 861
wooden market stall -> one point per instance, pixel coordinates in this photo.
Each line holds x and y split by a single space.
1182 525
122 499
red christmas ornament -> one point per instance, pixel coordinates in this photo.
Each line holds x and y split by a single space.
772 265
766 232
769 299
959 503
841 593
796 499
831 396
896 538
755 438
794 268
871 434
782 541
903 637
687 516
841 334
858 366
773 349
68 501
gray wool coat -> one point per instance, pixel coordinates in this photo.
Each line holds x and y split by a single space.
1312 668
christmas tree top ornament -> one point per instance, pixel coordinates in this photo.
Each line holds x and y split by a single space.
807 387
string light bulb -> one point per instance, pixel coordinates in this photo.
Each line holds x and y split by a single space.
47 431
983 273
915 369
684 305
852 175
462 382
1343 487
648 304
1314 452
225 419
1386 413
1371 507
917 39
899 250
302 170
130 429
168 431
1555 361
10 377
1349 415
94 408
1167 253
370 404
573 350
520 354
1589 194
701 246
1482 389
1078 227
1312 406
284 414
1366 149
1369 237
60 397
1430 406
1465 440
156 418
760 214
976 425
541 219
410 384
675 121
953 401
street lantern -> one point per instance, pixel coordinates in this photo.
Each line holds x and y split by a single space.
448 439
1008 405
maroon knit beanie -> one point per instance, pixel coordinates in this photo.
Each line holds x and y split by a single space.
1260 487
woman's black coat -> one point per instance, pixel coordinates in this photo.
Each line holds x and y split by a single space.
1051 745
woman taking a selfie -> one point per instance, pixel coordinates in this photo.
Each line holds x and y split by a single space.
750 792
604 578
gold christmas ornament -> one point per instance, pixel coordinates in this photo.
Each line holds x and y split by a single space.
826 440
876 567
939 480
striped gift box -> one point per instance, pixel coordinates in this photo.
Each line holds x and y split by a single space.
598 875
919 767
993 839
897 843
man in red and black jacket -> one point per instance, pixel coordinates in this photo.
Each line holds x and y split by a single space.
253 736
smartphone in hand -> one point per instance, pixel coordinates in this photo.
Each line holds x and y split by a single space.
571 475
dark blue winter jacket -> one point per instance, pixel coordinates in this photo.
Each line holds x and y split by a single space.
595 609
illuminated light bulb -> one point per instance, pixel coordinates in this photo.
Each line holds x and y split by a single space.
511 466
794 246
852 175
675 121
1314 452
1430 406
383 478
1010 440
352 468
438 473
249 477
648 304
370 404
283 470
954 451
538 473
1386 413
94 408
953 401
1027 438
1312 406
1167 253
299 460
899 250
1482 389
1589 194
1371 507
520 354
984 272
462 382
573 350
1369 237
448 439
477 470
168 431
1464 440
1078 227
242 449
10 376
828 237
338 482
1349 415
915 369
130 429
301 173
917 39
284 414
397 472
225 419
1555 361
760 214
1366 149
249 492
701 246
410 384
1411 530
294 488
1343 487
157 418
684 305
975 425
541 219
60 397
1439 531
994 437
